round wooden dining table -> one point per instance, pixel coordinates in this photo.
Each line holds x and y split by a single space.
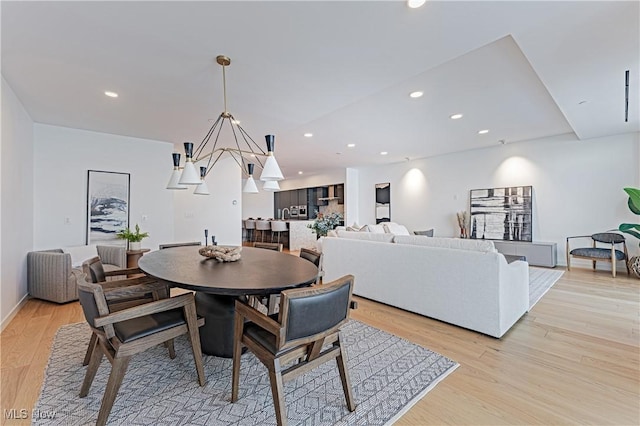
218 284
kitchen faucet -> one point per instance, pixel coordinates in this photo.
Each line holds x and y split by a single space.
283 211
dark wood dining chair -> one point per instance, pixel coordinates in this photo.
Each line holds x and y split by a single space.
268 246
121 293
278 341
315 258
124 333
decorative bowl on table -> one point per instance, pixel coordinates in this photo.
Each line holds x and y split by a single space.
222 253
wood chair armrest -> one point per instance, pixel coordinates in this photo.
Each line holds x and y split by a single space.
126 271
258 318
578 236
146 309
109 285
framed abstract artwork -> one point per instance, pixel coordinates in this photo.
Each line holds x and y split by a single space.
502 213
383 202
107 205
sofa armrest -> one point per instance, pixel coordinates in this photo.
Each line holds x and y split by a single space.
50 277
113 255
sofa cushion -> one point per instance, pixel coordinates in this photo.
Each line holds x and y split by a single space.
484 246
394 228
367 236
376 229
80 253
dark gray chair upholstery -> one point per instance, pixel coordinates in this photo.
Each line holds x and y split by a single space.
124 333
279 340
602 249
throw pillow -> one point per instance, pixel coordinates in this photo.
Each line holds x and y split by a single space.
394 228
80 253
428 232
376 229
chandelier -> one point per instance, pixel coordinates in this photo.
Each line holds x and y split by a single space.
244 150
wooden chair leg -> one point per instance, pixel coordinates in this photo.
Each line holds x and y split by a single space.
94 363
237 355
92 347
277 391
118 369
613 267
344 377
172 350
194 338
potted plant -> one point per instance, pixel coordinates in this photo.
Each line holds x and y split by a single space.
133 238
633 228
325 223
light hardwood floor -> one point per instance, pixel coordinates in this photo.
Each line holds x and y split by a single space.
574 359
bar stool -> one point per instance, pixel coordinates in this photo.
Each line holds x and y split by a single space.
262 226
250 226
278 227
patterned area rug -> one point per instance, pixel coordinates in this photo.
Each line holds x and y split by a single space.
388 376
540 281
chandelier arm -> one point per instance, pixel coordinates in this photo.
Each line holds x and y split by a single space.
235 137
247 135
215 144
209 164
205 140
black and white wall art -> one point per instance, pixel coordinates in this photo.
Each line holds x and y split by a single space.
502 213
383 202
107 205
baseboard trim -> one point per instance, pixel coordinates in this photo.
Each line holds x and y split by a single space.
5 322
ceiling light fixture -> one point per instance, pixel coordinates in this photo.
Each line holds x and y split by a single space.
483 132
416 94
414 4
455 116
111 94
187 175
308 135
300 172
271 185
351 145
384 153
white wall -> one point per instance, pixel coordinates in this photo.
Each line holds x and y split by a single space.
62 157
16 208
577 185
257 205
216 212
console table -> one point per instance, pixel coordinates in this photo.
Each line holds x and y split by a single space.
537 253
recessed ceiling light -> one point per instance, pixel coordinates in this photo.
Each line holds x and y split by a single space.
308 135
413 4
416 94
483 132
455 116
300 172
384 153
111 94
351 145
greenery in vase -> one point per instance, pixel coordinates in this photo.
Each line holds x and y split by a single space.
634 206
325 223
132 237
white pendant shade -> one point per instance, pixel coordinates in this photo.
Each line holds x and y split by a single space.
271 185
174 181
189 175
250 187
271 170
202 189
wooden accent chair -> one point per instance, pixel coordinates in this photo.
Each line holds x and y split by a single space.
124 333
172 245
598 253
123 293
315 258
291 337
268 246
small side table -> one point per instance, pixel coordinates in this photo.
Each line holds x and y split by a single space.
133 256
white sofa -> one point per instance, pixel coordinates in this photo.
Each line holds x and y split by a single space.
462 282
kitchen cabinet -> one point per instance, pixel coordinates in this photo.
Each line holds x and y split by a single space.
302 197
339 192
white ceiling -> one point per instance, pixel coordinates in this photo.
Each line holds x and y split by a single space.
340 70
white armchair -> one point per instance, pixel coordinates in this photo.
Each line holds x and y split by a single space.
51 276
